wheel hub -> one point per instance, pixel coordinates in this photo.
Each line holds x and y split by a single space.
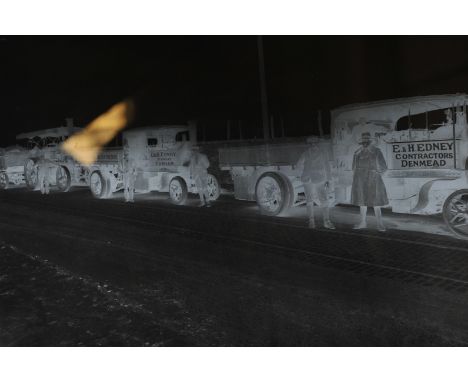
270 194
458 214
175 190
96 184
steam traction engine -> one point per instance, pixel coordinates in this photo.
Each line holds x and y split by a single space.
64 172
18 163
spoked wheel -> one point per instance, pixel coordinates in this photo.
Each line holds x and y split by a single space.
272 194
178 190
99 185
63 179
456 213
31 174
4 181
212 187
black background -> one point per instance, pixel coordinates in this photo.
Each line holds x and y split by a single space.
212 79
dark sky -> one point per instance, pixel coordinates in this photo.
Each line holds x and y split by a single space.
215 78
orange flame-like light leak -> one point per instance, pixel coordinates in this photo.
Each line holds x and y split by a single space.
86 145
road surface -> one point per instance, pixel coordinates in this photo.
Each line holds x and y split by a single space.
80 271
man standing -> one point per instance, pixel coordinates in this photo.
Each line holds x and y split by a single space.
199 164
317 180
368 188
129 171
43 175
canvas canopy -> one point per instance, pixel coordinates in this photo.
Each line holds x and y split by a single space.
50 133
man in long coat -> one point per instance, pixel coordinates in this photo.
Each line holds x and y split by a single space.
317 180
368 188
199 164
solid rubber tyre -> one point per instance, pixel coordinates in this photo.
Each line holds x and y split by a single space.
178 190
272 194
455 213
63 179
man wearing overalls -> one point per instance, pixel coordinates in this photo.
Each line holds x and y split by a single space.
317 180
199 164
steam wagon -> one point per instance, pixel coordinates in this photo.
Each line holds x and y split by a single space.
64 172
424 141
160 155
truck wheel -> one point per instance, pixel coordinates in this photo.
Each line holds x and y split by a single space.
178 190
99 185
4 181
30 174
63 179
212 187
455 213
272 194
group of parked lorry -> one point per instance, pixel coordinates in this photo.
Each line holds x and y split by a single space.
424 141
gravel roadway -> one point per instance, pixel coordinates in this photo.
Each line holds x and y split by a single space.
76 271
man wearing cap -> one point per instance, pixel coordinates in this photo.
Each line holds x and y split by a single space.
42 169
42 166
317 180
199 164
129 171
368 188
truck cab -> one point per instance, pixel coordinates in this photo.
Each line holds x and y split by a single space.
160 153
424 143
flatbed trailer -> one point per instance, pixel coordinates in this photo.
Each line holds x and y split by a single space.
267 173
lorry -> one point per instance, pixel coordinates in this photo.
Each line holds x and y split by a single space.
161 155
424 141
